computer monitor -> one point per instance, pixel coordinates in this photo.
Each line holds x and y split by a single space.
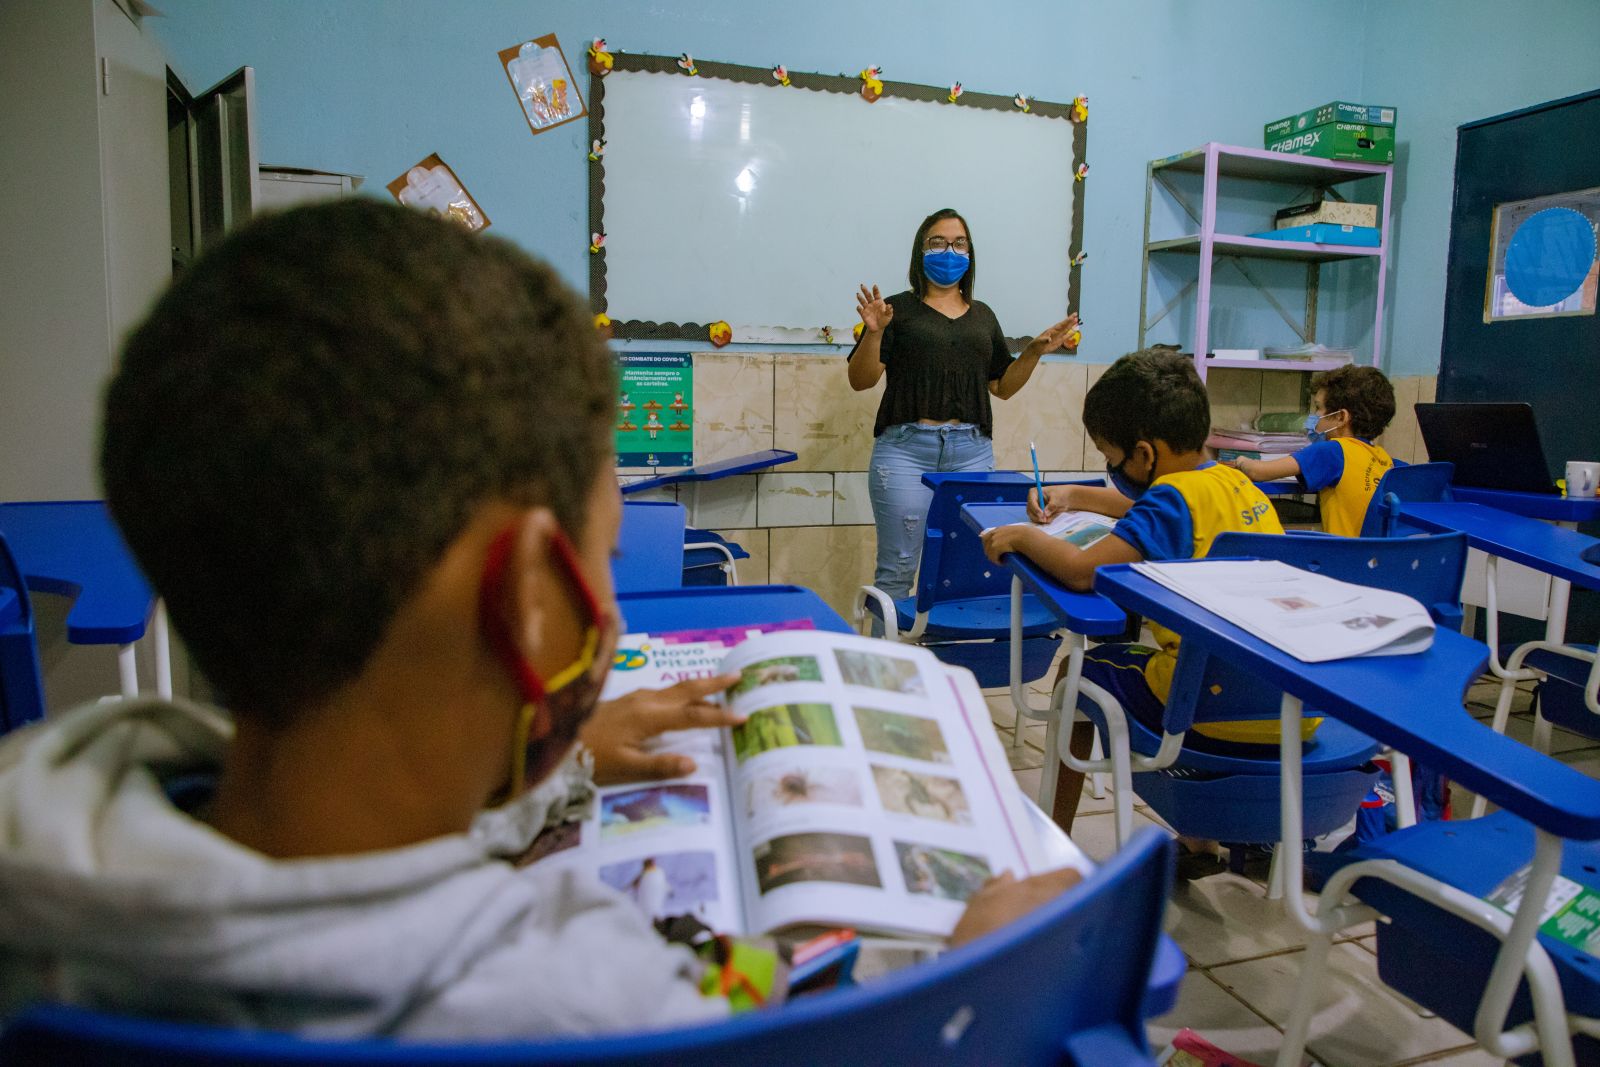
1493 446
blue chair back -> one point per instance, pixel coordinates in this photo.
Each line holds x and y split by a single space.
1061 986
953 564
1415 483
649 547
21 693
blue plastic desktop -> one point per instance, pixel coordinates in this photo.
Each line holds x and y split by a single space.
713 607
1431 725
1089 614
72 548
1551 506
710 472
1551 549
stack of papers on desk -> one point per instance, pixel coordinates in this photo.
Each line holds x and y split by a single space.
1312 617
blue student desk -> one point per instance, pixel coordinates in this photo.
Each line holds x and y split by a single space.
1552 550
715 607
1082 615
710 472
72 548
1549 506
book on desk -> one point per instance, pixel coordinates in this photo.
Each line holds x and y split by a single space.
1310 616
866 788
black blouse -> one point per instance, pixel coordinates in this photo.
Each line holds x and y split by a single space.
939 367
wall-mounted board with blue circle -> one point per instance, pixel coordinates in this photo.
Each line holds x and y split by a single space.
1545 257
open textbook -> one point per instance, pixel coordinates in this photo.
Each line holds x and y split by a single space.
1312 617
1081 528
866 788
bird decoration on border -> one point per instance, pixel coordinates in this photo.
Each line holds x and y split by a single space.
780 75
1022 103
597 241
1080 108
600 58
686 64
955 93
1081 173
597 148
872 84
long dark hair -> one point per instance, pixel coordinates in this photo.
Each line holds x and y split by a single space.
919 281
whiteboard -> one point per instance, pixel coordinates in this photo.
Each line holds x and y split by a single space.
765 206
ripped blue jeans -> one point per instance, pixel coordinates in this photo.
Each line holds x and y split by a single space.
900 457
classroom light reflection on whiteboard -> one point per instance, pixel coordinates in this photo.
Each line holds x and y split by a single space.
746 181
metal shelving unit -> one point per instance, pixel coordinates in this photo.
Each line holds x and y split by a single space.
1215 161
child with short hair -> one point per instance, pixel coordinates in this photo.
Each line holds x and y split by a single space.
1351 406
365 457
1150 416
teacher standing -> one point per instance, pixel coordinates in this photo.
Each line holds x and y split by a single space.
945 354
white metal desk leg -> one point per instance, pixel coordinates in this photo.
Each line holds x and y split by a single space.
1062 717
1097 779
1019 699
128 669
1404 804
163 652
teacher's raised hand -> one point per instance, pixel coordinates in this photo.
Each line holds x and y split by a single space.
1056 336
874 309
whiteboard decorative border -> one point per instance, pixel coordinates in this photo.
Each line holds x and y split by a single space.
635 329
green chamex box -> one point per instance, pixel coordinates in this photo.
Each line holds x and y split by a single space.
1339 130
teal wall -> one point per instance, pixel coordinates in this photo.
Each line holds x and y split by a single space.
371 86
1443 63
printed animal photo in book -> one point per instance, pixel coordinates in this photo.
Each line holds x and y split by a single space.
816 857
941 872
790 785
880 672
783 727
777 671
653 808
674 883
894 734
927 796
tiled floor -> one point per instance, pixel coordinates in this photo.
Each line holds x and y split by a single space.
1244 952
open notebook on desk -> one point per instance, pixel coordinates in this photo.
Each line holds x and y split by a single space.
1310 616
866 789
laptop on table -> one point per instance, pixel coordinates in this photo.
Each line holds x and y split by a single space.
1493 446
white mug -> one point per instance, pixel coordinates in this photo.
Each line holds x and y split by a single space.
1582 478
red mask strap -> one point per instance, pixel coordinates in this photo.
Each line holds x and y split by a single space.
491 618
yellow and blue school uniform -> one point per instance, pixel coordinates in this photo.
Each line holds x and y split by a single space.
1344 473
1177 518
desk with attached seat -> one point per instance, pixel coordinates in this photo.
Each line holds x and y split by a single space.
73 549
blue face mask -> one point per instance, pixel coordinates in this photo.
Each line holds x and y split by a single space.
1123 483
1312 433
945 268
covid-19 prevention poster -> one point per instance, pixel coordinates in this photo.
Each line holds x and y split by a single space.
655 410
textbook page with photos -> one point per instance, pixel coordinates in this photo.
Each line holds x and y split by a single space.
1312 617
1080 528
866 788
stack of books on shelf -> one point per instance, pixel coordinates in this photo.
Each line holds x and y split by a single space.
1309 352
1269 443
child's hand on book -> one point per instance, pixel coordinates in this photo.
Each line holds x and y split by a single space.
1002 539
1004 898
620 730
1055 502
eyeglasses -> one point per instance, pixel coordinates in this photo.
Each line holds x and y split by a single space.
960 245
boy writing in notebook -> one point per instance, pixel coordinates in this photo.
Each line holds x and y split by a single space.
1150 416
365 458
1351 406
